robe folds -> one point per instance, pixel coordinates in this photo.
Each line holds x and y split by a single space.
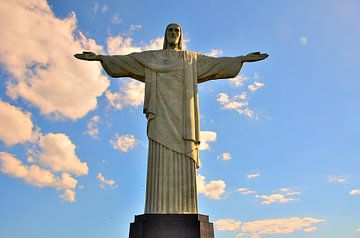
172 109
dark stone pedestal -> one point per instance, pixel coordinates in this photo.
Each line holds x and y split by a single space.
171 226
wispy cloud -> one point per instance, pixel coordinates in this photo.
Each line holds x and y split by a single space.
214 189
355 192
239 80
123 143
337 179
224 156
238 103
252 175
38 73
104 8
116 19
105 182
255 86
245 191
134 27
275 198
304 40
205 138
92 126
282 195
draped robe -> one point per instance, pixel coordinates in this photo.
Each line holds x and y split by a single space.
171 106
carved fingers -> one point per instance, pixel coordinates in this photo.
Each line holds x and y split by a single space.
255 56
87 55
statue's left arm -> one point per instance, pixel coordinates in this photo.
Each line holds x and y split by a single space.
210 68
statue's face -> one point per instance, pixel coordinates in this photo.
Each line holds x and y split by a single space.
173 35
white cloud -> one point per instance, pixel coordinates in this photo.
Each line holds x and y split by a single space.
215 52
304 40
92 126
123 143
43 69
288 191
213 189
355 192
237 103
57 153
16 126
205 138
245 191
252 175
37 176
227 225
130 94
255 86
239 80
119 45
337 179
105 182
266 227
358 230
225 156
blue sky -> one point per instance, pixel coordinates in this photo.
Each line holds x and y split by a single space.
281 150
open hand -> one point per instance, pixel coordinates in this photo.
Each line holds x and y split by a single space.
255 56
87 55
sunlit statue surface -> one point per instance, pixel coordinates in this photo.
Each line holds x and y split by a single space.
171 106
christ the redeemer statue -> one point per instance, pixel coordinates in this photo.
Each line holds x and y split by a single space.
171 106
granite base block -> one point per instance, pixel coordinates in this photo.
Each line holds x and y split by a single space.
171 226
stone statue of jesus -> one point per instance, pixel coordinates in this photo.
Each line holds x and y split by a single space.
171 106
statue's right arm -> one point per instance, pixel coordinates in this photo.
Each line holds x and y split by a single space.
117 65
87 55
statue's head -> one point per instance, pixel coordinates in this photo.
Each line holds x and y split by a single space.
173 37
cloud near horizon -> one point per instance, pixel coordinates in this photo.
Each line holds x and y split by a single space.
266 227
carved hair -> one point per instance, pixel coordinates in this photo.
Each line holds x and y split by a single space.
179 46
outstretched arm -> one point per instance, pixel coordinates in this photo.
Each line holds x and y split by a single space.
117 65
254 56
87 55
210 68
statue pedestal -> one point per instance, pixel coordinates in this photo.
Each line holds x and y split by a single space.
171 226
